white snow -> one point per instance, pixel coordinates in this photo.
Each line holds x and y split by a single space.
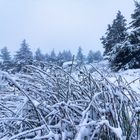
58 105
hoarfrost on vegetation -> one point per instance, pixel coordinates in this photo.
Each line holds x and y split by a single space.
61 104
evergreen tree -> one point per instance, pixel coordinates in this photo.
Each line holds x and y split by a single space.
97 56
94 56
121 56
39 56
90 57
136 16
128 52
80 56
5 55
60 56
60 59
7 62
116 33
53 56
134 37
46 57
67 56
63 57
24 56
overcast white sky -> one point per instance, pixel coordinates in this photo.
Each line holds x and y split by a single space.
58 24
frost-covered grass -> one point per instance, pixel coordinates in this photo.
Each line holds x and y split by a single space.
72 104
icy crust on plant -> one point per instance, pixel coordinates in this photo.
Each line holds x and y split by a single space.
84 103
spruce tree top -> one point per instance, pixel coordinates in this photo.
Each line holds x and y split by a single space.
24 55
5 54
116 33
80 56
136 16
134 37
39 56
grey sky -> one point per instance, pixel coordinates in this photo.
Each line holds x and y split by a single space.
58 24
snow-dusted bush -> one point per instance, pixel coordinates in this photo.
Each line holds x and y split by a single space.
57 104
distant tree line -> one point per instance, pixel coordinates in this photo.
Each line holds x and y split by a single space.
24 56
122 42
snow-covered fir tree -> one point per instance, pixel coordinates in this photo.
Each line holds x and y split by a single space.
46 57
116 33
52 57
5 54
24 56
67 56
64 57
97 56
39 56
90 57
80 56
134 38
60 59
135 25
127 54
136 16
94 56
6 59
